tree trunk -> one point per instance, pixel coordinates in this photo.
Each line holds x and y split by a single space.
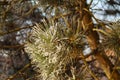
93 40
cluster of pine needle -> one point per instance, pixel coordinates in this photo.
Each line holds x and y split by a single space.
52 47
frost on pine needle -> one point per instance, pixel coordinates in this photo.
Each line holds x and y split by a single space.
51 48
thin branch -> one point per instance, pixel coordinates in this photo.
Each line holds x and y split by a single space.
90 71
19 72
12 46
30 11
15 30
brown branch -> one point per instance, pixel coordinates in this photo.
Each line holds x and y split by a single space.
19 72
90 71
93 40
3 2
15 30
61 15
30 11
12 46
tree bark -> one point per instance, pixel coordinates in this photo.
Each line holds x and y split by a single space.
93 40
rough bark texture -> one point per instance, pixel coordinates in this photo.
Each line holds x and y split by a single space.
93 40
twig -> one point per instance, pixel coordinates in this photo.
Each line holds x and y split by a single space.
19 72
11 46
15 30
92 74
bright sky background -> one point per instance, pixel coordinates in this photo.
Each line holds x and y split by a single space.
100 5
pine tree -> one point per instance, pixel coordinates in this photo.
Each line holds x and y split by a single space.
65 39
